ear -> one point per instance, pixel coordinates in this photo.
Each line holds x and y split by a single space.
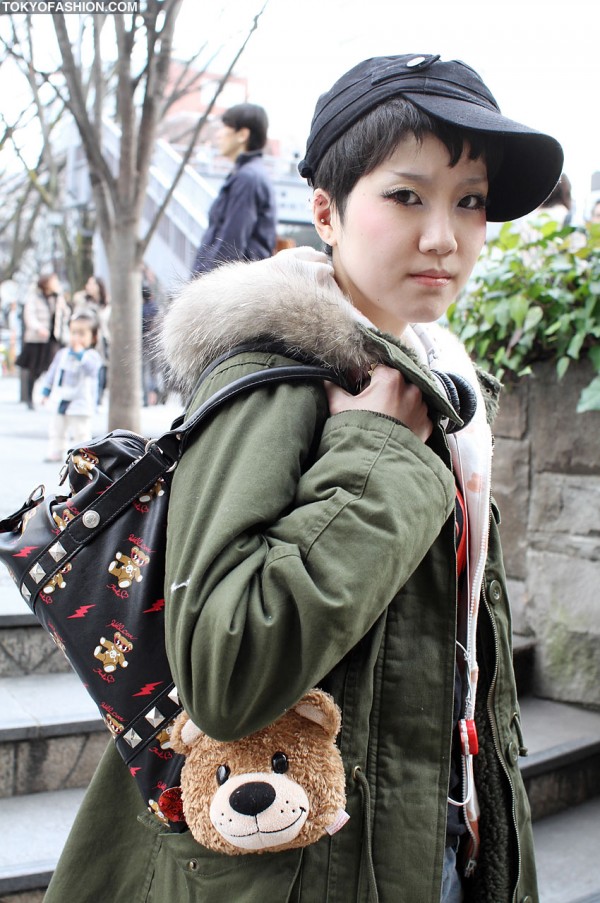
184 734
244 136
320 708
322 211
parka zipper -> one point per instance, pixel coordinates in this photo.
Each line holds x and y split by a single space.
492 720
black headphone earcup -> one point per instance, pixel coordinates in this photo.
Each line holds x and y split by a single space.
467 399
460 395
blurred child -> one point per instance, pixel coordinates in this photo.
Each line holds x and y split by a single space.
71 384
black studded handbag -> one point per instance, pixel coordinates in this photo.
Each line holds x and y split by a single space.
90 565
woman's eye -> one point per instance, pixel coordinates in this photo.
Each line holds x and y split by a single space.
405 196
473 202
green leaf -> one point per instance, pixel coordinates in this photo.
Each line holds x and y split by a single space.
518 306
562 366
575 345
589 400
534 316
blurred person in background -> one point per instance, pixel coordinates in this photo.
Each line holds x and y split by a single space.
71 387
242 219
94 297
559 205
46 316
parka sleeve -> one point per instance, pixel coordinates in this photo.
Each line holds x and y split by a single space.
289 534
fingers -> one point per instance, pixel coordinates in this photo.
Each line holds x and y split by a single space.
314 263
339 400
388 393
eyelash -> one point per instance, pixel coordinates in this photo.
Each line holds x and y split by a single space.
402 197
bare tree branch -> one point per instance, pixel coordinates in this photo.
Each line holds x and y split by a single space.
103 182
144 242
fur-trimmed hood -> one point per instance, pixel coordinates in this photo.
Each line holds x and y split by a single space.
290 300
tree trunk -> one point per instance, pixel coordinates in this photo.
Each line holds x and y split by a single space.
125 365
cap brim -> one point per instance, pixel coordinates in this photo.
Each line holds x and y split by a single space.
531 163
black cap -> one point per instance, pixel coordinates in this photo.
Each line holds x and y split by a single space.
452 92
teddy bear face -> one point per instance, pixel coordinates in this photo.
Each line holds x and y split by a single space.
259 810
279 788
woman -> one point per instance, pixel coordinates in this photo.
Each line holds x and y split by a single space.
346 539
45 329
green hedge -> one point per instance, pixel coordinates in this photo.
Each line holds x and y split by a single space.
535 296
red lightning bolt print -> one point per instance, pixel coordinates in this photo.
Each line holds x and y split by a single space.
81 611
26 552
147 689
156 606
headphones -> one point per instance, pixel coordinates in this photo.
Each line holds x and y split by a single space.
461 396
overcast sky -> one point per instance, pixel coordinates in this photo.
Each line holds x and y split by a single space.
540 58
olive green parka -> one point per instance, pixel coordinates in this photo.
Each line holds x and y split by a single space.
307 550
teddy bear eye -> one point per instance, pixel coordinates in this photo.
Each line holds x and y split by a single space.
279 763
223 772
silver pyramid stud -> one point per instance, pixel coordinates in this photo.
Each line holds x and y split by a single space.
154 717
132 738
174 696
57 551
37 573
25 593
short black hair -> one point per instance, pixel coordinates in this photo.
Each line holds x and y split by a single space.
373 139
248 116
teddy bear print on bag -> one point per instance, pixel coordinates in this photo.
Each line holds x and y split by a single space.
279 788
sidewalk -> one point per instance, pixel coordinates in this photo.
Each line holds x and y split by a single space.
23 446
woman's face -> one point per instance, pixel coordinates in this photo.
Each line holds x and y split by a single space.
411 233
53 286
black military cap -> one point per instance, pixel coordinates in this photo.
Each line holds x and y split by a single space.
531 162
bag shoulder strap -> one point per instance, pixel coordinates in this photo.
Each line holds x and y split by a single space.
289 373
161 456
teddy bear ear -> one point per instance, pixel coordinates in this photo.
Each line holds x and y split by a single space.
184 734
319 707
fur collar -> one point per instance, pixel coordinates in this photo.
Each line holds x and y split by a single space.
292 301
291 305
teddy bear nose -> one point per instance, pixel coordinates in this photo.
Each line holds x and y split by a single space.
252 798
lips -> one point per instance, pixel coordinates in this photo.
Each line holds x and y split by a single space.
436 278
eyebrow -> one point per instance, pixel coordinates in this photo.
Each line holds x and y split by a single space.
418 177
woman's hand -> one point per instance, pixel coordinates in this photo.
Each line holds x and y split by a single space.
314 265
387 393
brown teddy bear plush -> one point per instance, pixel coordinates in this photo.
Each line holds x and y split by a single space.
278 788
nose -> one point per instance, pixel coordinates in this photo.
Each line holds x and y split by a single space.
252 798
438 235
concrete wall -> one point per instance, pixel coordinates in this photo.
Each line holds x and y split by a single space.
547 484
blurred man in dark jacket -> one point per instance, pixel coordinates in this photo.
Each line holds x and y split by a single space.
242 219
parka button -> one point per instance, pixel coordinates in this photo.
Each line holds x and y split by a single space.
495 591
192 865
512 752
